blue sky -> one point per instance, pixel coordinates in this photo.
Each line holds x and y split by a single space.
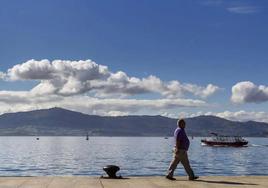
199 42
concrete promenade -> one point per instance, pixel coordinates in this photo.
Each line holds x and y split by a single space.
133 182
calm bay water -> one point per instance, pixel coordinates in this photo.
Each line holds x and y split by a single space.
137 156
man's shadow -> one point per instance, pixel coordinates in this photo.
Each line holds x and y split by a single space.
225 182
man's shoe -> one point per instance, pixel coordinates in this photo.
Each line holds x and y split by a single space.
194 178
170 178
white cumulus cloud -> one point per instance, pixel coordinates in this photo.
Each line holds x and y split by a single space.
67 78
88 87
248 92
31 70
59 76
201 91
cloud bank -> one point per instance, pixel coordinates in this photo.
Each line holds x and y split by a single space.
241 115
91 88
24 101
244 116
68 78
248 92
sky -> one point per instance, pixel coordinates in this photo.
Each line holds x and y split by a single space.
176 58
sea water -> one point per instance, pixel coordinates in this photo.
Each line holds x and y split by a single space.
136 156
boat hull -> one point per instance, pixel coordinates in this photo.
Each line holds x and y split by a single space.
233 144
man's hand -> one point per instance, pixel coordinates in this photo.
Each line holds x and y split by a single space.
177 144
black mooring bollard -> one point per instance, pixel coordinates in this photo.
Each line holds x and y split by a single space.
111 171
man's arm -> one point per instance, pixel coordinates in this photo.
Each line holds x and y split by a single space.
177 143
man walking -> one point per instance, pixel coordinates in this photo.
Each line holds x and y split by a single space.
180 152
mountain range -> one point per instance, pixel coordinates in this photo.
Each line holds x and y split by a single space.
62 122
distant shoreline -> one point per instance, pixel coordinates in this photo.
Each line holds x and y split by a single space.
62 122
114 136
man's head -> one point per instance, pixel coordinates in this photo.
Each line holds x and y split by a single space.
181 123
